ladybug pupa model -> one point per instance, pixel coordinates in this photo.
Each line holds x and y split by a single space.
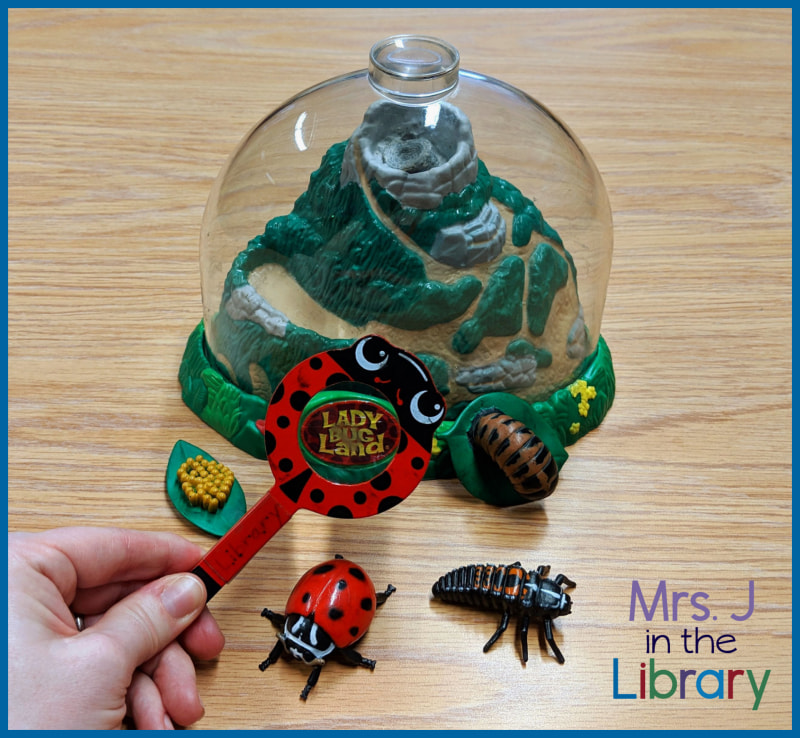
518 451
514 591
328 611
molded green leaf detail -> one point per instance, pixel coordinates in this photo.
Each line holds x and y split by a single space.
217 523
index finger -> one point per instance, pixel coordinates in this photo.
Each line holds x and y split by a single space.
91 557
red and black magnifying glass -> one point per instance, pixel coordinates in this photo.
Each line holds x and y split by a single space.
348 434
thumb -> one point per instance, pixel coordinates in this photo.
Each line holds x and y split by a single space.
147 620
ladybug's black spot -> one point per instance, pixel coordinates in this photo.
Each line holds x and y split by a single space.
360 497
269 442
417 462
366 604
340 511
277 396
341 584
383 482
356 573
306 596
337 378
335 613
315 363
285 465
403 443
388 503
283 422
299 400
316 495
323 568
354 631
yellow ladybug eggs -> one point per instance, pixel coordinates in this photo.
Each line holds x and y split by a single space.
205 483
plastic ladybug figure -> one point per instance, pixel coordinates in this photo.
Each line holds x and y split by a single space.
329 609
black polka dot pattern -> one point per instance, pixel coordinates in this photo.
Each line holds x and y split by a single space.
299 400
389 502
336 379
382 482
269 442
357 573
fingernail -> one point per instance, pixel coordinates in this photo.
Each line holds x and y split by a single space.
183 596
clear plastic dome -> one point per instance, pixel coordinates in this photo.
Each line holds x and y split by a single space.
445 210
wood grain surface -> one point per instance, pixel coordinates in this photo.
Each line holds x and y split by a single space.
120 120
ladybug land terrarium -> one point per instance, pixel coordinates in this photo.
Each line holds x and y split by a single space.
442 209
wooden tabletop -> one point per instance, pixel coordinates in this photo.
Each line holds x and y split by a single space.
119 122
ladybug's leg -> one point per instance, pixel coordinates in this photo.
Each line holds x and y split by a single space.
351 656
273 657
381 597
543 570
523 636
500 630
312 680
561 579
274 617
548 634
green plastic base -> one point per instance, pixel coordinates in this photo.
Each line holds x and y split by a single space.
570 412
231 412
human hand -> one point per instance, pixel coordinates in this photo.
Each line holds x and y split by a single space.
145 620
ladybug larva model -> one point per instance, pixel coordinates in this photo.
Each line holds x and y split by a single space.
329 609
512 590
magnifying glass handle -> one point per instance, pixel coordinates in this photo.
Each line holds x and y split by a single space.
230 553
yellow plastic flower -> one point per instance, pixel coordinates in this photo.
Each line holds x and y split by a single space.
586 391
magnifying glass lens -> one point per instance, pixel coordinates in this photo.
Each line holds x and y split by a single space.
348 436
